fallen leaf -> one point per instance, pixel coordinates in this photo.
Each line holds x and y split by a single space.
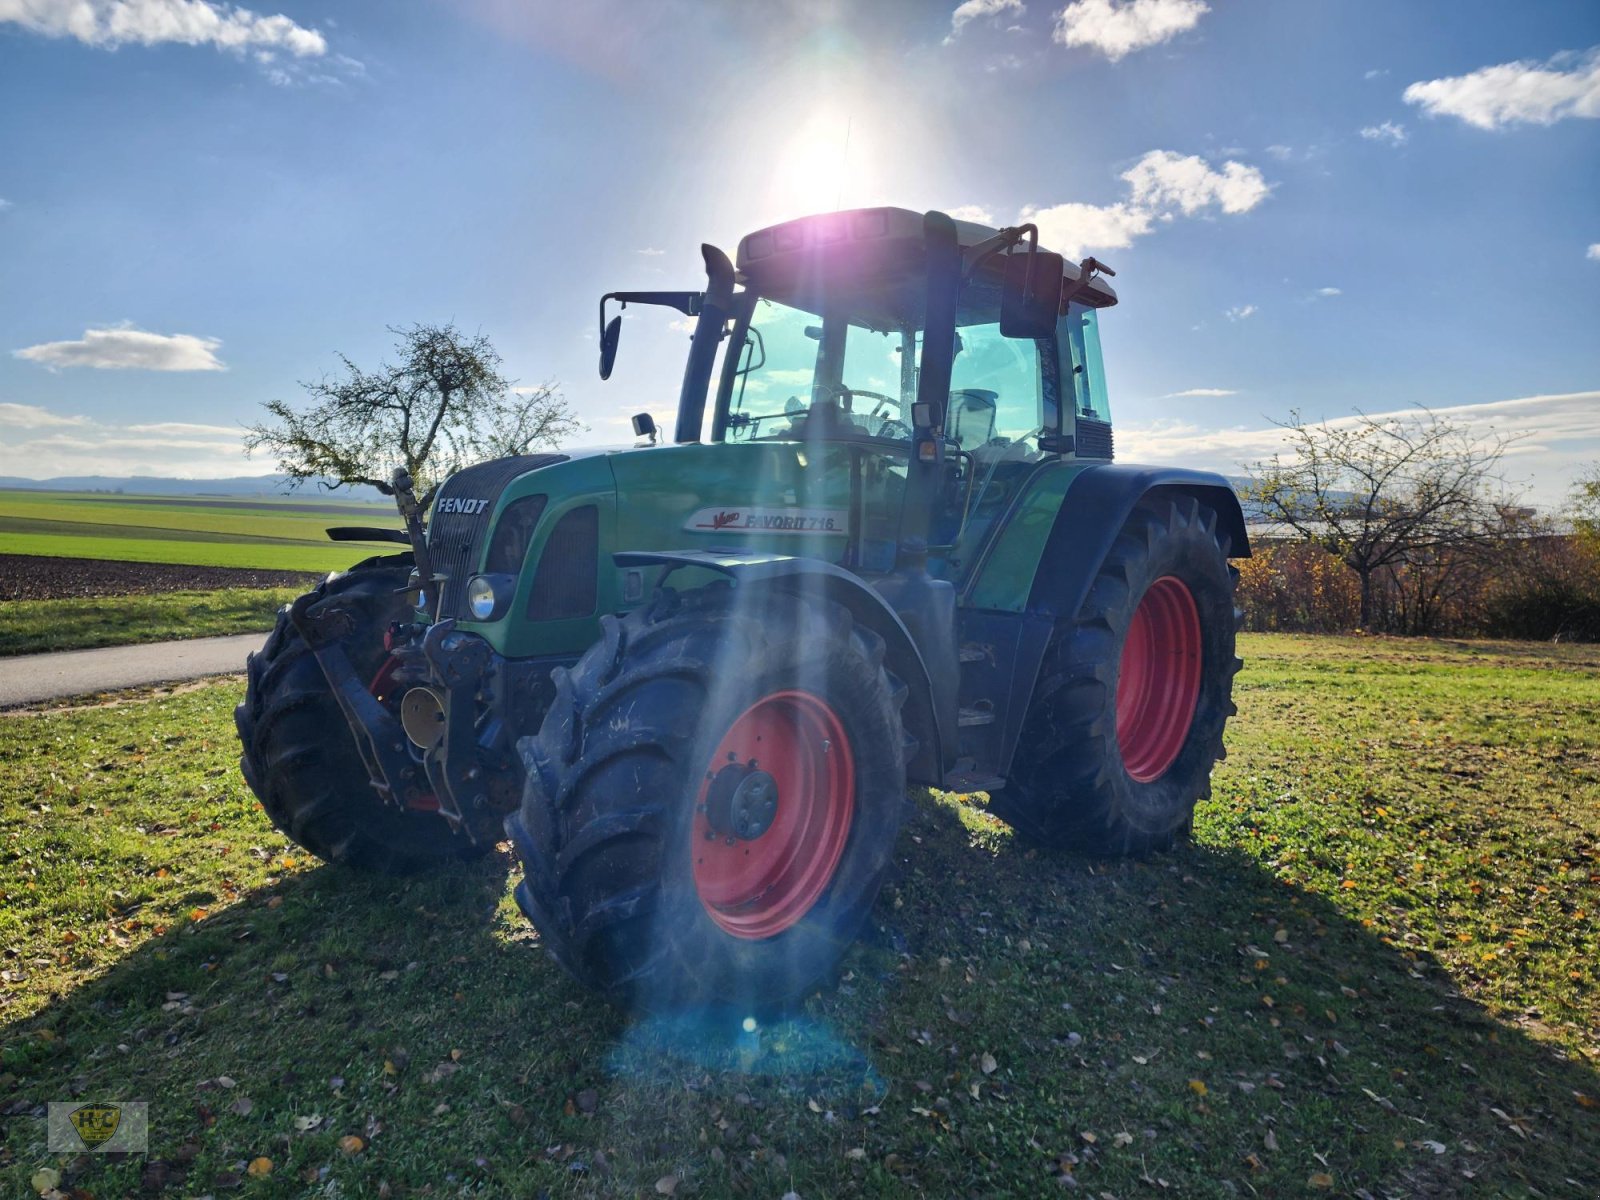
45 1180
667 1185
1430 1144
1270 1141
1585 1101
1122 1139
987 1064
241 1107
351 1144
302 1124
259 1167
1320 1179
1198 1087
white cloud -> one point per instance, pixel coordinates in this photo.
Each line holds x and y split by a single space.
1330 291
4 204
1241 312
1116 28
1163 180
31 416
185 429
1160 185
1593 253
971 212
682 325
112 23
1568 85
1563 437
126 348
1389 132
1210 393
971 10
1281 152
1374 73
1074 229
650 252
52 444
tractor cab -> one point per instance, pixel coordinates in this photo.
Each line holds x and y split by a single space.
827 343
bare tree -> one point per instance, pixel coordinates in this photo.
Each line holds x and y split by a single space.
443 405
1584 504
1384 494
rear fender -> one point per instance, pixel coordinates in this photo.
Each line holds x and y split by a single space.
1097 505
811 576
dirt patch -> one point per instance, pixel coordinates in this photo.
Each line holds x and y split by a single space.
36 577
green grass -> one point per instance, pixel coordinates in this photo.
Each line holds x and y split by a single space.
267 534
1377 967
37 626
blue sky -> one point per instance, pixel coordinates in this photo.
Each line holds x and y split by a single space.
1315 205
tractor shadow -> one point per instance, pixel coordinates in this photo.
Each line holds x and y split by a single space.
1156 998
1197 989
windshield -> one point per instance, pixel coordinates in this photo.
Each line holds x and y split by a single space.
800 375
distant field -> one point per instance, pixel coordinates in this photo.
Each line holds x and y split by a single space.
285 535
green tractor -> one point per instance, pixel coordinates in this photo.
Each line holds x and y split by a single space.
692 682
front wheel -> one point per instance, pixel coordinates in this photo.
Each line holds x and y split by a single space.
300 758
712 800
1128 713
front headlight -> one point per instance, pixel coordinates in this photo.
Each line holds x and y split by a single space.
488 596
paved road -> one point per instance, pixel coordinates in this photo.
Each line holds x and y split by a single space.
29 678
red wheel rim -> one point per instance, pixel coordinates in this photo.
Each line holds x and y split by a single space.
760 886
384 692
1158 682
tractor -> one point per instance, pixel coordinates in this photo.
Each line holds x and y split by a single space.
691 682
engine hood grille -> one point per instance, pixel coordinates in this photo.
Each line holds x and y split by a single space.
463 512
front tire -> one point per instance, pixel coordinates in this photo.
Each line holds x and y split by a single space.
1128 714
299 756
712 800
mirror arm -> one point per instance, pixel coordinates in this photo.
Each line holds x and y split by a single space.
974 257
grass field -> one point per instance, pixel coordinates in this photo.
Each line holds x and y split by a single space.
37 626
1375 972
285 535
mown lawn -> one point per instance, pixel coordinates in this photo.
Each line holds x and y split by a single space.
38 626
1373 973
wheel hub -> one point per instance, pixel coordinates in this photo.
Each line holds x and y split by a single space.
741 803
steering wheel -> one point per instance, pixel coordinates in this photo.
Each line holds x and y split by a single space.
898 430
881 399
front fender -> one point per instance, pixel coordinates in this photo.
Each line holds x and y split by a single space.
812 576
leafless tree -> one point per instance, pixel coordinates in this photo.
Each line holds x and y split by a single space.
1584 504
442 405
1413 491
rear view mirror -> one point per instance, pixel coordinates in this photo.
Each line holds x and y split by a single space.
1030 296
608 345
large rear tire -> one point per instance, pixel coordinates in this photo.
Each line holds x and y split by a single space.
1128 714
712 800
299 756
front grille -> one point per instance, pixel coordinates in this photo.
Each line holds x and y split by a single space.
455 540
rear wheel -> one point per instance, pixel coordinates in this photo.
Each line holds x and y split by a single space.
712 800
299 756
1128 713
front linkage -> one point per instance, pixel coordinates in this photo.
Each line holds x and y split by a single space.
437 726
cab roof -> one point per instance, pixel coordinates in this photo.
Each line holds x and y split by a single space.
862 248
